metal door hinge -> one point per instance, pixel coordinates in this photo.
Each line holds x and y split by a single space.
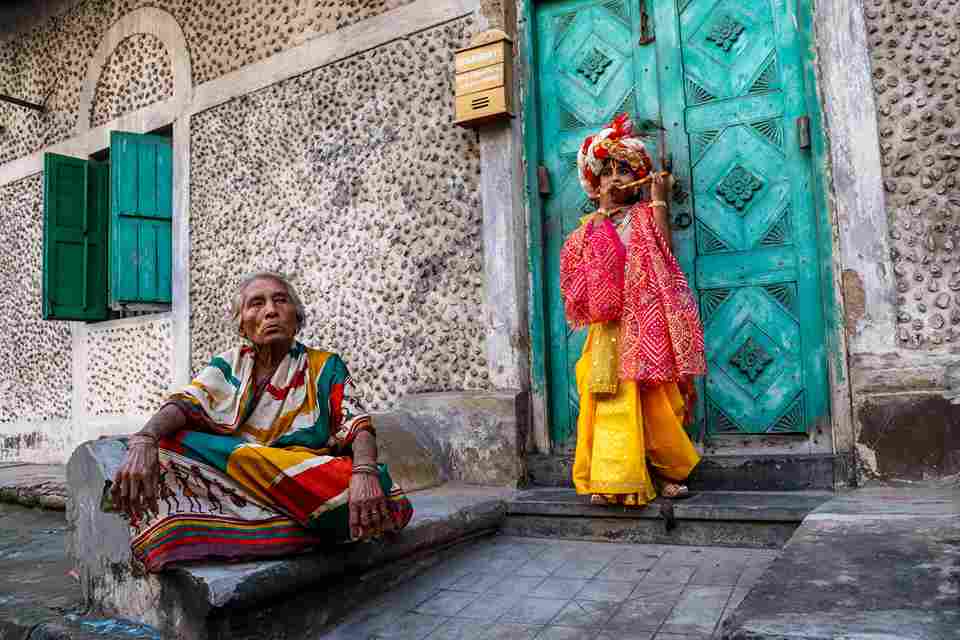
803 131
543 180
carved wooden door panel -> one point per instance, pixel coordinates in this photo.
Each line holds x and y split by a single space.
589 67
754 224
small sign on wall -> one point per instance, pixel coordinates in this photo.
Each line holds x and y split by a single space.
484 79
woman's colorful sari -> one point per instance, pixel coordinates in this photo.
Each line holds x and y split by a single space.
268 471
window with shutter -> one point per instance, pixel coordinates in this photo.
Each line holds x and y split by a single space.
141 202
75 219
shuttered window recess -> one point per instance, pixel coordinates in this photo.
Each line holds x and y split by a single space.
141 203
75 219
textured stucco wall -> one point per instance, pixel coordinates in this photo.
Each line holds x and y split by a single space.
128 368
35 381
222 35
915 55
138 73
352 180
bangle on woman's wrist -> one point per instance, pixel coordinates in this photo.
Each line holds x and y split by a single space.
658 203
143 438
366 469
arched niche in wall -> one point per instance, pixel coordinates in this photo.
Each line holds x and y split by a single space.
148 30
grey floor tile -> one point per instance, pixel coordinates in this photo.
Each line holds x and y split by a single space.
501 564
646 612
698 611
670 574
488 607
476 582
541 566
690 556
404 598
718 573
447 603
607 590
567 633
460 629
623 634
409 626
625 572
580 569
558 587
639 556
534 610
679 636
516 585
589 614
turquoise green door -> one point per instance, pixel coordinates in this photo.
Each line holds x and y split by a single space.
589 69
726 79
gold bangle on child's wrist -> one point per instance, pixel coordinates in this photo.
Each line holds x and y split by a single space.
658 203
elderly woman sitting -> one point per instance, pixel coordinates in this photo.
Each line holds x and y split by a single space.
258 455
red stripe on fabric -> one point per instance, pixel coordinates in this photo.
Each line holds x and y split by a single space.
336 406
280 394
179 529
157 560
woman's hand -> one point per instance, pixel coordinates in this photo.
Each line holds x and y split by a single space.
134 490
660 185
369 516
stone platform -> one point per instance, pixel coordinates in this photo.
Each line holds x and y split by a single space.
33 485
763 519
880 563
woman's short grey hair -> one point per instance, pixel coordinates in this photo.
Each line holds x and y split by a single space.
236 305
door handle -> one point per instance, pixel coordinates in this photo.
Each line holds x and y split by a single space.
682 220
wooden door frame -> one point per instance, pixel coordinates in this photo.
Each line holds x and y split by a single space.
827 250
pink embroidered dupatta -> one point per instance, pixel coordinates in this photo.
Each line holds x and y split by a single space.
661 339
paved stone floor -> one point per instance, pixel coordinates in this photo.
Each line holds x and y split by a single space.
526 588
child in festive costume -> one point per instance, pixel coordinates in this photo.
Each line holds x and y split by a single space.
618 276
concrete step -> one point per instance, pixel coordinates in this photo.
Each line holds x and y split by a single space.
741 472
763 519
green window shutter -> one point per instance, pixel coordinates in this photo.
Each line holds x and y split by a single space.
74 239
141 172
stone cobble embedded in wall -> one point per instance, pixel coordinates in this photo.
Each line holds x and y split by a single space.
37 379
223 35
128 367
138 73
915 54
352 180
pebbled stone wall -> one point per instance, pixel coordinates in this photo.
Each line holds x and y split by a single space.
129 370
138 73
351 179
915 52
36 379
222 35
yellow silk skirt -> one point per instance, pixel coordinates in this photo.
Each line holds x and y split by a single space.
619 433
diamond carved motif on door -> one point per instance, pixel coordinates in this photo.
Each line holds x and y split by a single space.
594 54
751 359
740 189
738 186
727 46
725 32
594 65
753 344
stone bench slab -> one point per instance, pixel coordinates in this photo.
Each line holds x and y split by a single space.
877 563
210 600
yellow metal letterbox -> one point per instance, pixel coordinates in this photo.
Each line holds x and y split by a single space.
484 79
